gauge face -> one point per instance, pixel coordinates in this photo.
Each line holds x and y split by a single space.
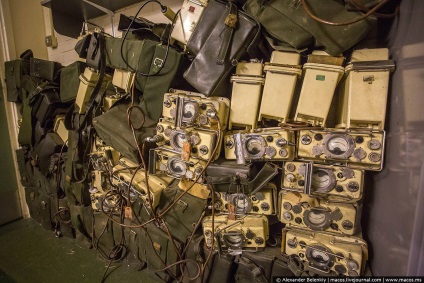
316 217
338 145
255 146
323 181
320 257
234 240
241 202
177 167
178 140
190 111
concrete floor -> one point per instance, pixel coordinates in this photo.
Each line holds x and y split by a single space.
29 253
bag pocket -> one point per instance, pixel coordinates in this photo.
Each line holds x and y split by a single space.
112 128
43 69
13 79
182 218
42 153
69 81
161 252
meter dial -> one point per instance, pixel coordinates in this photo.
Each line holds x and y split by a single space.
177 140
234 239
190 110
317 219
338 146
320 257
254 146
323 181
177 167
242 203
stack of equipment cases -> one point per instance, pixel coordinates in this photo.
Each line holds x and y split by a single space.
320 201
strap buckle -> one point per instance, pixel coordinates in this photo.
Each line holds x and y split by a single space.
231 20
158 62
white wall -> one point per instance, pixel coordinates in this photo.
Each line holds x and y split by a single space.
65 53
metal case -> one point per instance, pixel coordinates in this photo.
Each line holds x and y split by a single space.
123 79
263 202
259 145
334 183
364 93
281 76
248 233
320 79
87 83
201 142
60 129
301 210
163 161
361 149
246 95
187 109
327 254
187 19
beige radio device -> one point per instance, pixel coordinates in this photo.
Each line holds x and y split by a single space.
322 73
364 94
88 80
361 149
60 129
248 233
187 19
200 142
260 145
334 183
325 253
303 211
282 73
246 95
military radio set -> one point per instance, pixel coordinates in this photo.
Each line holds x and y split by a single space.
143 152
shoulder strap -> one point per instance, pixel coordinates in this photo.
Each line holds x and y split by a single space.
262 178
227 33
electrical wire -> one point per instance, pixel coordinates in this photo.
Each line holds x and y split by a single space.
163 8
366 15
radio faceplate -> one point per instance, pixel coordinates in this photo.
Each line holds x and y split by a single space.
334 183
355 148
260 145
326 253
301 210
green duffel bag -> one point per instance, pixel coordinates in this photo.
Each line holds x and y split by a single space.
182 218
113 129
159 68
161 252
288 22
